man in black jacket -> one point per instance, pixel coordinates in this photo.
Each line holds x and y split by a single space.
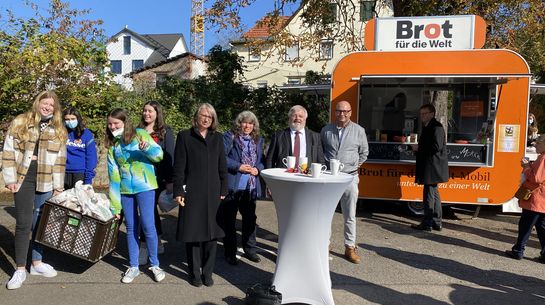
284 142
431 167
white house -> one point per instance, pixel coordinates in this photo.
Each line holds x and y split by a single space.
288 66
129 51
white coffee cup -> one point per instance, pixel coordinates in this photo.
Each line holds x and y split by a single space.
336 166
289 161
317 169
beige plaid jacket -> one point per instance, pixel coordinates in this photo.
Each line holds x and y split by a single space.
17 156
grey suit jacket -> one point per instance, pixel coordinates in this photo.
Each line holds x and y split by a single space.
353 149
280 147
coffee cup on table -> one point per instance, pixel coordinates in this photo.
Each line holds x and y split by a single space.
289 162
336 166
317 169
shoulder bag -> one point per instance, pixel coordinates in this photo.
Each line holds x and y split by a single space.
524 193
263 295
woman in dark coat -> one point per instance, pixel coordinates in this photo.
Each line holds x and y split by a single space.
199 164
244 153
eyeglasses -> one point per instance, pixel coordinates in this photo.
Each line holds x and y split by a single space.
205 116
343 111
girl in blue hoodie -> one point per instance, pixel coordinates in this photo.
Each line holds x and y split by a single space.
81 150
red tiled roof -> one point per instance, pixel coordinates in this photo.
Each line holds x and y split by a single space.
262 30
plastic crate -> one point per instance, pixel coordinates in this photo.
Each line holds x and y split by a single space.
79 235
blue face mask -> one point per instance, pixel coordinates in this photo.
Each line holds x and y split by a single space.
71 123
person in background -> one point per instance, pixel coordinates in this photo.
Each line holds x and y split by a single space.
199 165
431 167
34 161
81 150
533 209
296 140
532 130
346 141
152 120
131 155
244 153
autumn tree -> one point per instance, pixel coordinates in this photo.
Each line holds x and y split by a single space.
60 50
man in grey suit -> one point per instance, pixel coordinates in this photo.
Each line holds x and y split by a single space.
346 141
297 140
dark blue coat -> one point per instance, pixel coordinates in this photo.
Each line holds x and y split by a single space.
233 155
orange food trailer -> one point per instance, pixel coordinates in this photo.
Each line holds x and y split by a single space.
481 96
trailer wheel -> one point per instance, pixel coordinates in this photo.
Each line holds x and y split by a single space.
416 207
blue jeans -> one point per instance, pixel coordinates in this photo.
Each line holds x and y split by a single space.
138 210
39 200
529 219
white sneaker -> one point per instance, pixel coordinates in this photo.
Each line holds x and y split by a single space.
17 279
143 255
158 273
43 269
130 274
160 247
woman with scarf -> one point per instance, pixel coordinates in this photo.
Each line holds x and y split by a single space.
244 154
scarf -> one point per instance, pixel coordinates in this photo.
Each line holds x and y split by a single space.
249 155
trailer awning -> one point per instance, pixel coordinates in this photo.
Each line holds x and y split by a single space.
537 89
437 80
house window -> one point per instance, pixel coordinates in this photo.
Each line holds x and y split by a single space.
126 45
331 13
326 49
116 66
137 64
367 10
160 78
294 80
254 54
261 84
292 53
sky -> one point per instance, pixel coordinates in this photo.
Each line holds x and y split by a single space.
149 17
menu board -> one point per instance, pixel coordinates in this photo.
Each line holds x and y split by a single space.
469 153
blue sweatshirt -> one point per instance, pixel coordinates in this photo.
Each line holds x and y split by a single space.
81 155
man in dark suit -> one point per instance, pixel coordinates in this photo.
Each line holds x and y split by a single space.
431 167
295 138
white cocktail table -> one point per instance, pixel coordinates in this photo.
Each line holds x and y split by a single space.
305 208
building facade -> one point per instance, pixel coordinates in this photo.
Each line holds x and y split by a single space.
268 64
129 51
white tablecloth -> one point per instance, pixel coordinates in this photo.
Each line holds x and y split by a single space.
305 208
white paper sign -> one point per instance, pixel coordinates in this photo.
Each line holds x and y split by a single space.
425 33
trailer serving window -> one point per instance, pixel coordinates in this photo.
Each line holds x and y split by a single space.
465 105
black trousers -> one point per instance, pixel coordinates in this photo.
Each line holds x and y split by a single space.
528 220
28 208
70 179
433 212
233 203
201 256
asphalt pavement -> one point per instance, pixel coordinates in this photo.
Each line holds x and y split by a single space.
463 264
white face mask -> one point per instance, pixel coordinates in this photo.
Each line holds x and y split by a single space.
117 133
530 121
47 117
